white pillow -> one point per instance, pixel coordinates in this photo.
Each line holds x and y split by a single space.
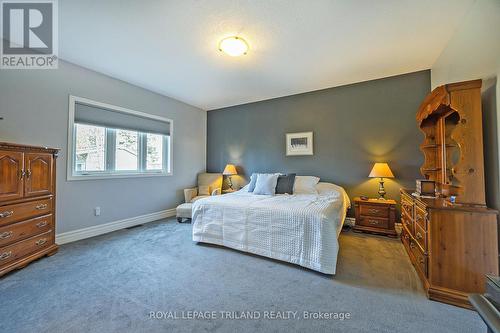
305 185
266 184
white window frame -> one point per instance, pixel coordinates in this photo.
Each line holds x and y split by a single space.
72 174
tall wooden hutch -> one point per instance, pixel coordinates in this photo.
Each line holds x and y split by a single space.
451 245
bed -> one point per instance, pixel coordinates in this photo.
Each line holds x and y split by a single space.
302 229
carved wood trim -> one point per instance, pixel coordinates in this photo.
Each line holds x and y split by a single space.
20 147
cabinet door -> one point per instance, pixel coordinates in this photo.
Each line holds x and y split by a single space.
39 172
11 175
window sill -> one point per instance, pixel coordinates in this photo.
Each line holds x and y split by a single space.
117 176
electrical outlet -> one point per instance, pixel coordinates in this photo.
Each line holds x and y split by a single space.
97 211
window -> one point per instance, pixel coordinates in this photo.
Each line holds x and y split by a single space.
109 141
126 150
154 157
90 148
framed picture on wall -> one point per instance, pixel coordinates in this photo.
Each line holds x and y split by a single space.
299 143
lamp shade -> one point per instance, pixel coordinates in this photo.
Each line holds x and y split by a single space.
381 170
229 170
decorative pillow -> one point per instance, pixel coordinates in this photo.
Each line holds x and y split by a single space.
203 190
266 184
285 184
305 185
253 180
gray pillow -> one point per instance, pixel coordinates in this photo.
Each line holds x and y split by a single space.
266 184
285 184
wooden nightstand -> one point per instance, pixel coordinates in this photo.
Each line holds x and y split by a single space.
376 216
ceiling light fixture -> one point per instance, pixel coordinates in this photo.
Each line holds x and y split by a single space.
233 46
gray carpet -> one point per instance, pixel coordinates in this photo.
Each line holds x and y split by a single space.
111 283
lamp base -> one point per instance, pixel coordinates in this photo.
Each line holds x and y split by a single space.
381 189
229 182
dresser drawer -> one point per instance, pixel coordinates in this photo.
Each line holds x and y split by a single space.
25 247
22 230
419 257
405 238
21 211
421 217
374 210
374 222
421 237
406 208
407 222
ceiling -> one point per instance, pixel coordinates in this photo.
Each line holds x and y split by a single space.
170 47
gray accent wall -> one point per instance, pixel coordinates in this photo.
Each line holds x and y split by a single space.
354 126
34 104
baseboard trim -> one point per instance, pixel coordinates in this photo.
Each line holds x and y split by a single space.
75 235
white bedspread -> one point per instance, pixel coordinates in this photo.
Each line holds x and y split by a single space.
302 228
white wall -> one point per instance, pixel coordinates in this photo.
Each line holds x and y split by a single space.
34 104
474 52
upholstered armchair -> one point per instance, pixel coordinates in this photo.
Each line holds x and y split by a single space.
208 184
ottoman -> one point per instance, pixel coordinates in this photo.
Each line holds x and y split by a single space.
184 212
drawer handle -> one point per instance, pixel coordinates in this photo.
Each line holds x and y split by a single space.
7 214
41 206
28 174
5 255
374 211
5 235
419 235
41 224
373 222
421 260
412 245
40 242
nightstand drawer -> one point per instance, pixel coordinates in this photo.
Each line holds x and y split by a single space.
375 216
374 222
374 210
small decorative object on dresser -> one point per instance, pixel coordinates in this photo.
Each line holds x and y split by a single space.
375 216
27 204
425 187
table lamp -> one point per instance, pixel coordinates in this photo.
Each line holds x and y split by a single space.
229 171
382 171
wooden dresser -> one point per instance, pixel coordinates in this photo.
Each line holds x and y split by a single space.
27 204
452 248
452 245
